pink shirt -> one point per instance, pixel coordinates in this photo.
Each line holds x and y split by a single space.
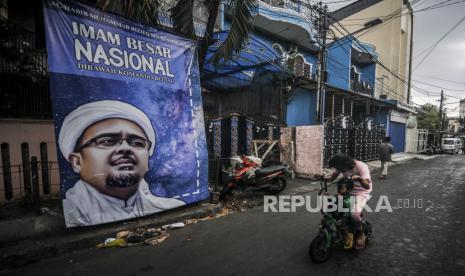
364 172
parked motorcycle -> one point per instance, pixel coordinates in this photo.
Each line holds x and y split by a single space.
332 233
251 174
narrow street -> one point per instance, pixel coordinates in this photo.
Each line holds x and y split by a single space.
408 241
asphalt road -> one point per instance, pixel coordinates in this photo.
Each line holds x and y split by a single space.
418 240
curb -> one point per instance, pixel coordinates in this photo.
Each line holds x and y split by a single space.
30 251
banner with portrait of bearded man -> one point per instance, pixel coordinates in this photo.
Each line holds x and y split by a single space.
128 115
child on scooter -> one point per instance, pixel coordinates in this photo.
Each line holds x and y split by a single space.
360 174
344 187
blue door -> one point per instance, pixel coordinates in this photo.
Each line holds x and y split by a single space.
397 133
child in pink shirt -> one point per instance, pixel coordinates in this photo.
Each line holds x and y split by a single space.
360 174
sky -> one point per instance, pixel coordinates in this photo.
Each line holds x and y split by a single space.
445 65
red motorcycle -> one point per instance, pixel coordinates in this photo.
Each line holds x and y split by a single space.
249 174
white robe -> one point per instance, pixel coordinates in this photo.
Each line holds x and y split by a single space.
84 205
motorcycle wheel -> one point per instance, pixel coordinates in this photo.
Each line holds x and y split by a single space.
226 190
318 251
368 231
277 185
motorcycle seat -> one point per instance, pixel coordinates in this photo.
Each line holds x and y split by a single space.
270 169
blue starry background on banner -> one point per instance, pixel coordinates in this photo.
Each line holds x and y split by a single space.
179 166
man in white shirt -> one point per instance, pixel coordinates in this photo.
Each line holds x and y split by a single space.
108 143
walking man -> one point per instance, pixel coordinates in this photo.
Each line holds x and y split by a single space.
385 151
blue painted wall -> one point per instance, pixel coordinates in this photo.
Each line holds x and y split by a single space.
381 118
368 73
270 40
301 109
339 63
397 133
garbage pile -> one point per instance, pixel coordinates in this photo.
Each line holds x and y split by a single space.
149 236
157 235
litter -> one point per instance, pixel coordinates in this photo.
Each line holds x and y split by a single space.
122 234
173 226
157 240
206 218
140 235
191 221
224 212
112 242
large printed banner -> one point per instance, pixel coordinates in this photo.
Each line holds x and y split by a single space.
128 115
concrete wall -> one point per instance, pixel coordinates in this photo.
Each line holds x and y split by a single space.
411 137
15 133
306 151
392 42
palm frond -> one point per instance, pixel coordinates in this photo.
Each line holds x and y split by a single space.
183 18
143 11
241 27
212 7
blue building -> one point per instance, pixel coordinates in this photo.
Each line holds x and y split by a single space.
273 81
276 67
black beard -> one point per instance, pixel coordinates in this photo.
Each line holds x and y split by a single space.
122 180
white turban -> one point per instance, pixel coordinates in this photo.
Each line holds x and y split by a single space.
86 115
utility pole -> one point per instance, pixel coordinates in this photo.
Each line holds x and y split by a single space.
441 105
322 74
440 123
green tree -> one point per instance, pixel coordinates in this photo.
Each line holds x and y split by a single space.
428 116
146 11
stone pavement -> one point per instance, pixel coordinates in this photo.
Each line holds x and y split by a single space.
29 239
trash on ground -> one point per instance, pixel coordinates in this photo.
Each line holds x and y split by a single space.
122 234
173 225
140 235
224 212
191 221
111 242
157 240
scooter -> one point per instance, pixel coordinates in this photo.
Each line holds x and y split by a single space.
250 174
332 232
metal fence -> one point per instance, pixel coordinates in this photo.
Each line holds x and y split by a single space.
361 141
24 83
422 141
361 87
29 181
233 135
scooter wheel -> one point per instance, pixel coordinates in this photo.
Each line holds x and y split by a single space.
318 251
368 232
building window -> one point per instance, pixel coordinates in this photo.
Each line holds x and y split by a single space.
308 70
354 75
299 65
